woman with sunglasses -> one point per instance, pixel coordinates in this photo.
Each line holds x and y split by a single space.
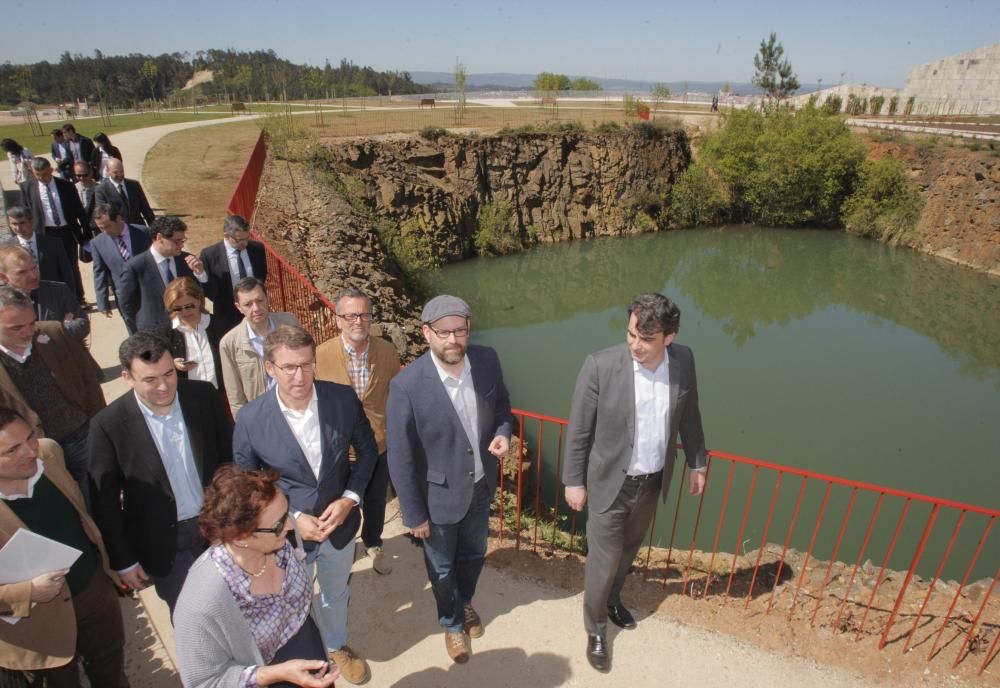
194 339
243 618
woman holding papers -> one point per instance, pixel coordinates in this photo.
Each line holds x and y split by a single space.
243 616
58 604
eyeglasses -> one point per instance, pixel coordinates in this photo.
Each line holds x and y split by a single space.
352 317
459 333
184 308
278 527
292 368
82 175
174 240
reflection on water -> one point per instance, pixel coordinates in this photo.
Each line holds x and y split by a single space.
814 348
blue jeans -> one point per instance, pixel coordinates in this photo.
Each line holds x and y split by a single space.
76 454
454 555
333 572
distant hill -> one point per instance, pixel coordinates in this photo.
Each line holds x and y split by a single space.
495 81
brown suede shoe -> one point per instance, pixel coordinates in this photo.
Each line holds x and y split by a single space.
353 669
458 645
473 624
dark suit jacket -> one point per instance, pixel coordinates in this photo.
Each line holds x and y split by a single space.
132 501
602 422
217 266
263 440
430 456
139 211
69 199
95 157
86 151
89 200
108 265
53 264
141 291
63 157
54 301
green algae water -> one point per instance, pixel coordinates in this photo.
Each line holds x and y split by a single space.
814 349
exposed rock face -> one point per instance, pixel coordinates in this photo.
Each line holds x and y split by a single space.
961 189
558 186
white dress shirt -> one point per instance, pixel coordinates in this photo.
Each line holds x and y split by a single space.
232 255
162 261
20 358
29 245
463 397
198 349
54 216
652 413
173 444
306 429
40 468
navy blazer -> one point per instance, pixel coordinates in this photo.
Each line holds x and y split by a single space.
108 265
430 456
263 440
141 290
216 262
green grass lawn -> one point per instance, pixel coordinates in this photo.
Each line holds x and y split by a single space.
90 126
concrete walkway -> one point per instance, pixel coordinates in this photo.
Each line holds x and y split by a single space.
534 636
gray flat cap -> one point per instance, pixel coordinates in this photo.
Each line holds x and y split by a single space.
442 306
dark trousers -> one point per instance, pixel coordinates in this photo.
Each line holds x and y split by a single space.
100 640
373 506
190 545
70 244
613 539
307 643
454 555
76 453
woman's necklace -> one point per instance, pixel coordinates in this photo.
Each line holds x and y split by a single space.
263 567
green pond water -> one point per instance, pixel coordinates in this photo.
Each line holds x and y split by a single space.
814 349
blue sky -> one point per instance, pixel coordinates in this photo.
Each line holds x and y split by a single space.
872 41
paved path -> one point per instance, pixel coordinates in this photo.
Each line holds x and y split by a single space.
534 636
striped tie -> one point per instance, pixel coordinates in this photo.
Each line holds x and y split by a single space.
122 247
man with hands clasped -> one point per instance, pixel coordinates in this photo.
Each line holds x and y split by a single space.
448 423
303 428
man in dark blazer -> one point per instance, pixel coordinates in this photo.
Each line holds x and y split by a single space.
629 405
80 147
144 276
227 262
127 194
152 451
116 243
303 429
86 188
52 300
448 421
62 155
57 212
48 252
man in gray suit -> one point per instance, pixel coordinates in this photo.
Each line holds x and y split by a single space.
115 243
630 402
447 422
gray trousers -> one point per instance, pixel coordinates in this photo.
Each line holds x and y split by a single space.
613 539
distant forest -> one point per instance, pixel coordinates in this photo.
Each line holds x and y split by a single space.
124 80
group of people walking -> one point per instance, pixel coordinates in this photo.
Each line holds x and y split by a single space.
236 473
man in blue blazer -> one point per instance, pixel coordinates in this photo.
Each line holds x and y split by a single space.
447 422
116 243
303 428
145 276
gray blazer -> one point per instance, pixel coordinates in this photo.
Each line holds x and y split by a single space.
108 265
602 422
430 457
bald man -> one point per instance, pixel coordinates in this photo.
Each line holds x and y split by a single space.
126 194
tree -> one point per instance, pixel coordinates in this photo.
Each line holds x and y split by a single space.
774 75
658 93
582 84
461 77
149 71
548 84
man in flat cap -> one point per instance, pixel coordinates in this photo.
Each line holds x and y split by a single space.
448 422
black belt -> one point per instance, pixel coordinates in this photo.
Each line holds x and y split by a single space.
640 478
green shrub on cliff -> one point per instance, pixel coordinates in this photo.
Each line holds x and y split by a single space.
884 205
697 199
495 235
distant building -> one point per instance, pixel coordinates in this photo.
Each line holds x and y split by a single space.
963 84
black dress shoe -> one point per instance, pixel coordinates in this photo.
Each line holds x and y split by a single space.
619 616
597 653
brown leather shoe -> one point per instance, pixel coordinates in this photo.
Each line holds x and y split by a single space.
353 669
472 623
458 645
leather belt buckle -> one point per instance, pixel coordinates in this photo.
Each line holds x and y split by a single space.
640 478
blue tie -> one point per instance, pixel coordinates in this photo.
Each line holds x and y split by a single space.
166 269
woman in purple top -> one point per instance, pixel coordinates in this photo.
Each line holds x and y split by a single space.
242 619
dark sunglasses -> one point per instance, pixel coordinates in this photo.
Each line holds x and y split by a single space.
188 307
279 526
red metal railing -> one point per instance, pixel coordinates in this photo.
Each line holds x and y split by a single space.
530 511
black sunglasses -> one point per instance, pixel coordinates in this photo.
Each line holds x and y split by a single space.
279 526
